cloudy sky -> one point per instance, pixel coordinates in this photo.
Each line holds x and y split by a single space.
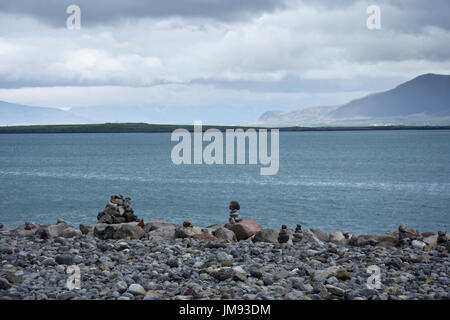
220 61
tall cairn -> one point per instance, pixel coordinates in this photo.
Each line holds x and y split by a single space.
283 236
118 210
234 212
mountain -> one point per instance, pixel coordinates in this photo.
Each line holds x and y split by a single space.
17 114
428 94
422 100
302 117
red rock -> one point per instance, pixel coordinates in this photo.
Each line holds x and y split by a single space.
205 237
244 229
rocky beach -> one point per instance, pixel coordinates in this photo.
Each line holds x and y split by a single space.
122 257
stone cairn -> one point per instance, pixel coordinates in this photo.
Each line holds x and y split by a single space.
403 238
187 224
118 210
283 236
442 237
298 233
234 212
406 237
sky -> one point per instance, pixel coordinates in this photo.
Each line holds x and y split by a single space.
220 61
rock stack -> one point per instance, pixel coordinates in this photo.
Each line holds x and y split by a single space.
234 212
283 236
187 230
442 237
118 210
403 238
298 234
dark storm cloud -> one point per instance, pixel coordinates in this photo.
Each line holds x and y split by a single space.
107 11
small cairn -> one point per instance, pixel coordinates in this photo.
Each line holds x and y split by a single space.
118 210
234 212
283 236
442 237
298 233
187 224
186 231
403 238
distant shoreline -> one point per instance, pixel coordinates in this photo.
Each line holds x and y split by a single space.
163 128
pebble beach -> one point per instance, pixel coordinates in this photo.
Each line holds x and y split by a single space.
157 260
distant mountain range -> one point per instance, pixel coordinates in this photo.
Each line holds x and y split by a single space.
423 100
16 114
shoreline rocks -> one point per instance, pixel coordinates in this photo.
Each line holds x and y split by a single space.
132 260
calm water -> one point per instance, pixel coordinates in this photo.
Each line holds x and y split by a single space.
362 182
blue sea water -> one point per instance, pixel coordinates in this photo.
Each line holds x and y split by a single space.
356 181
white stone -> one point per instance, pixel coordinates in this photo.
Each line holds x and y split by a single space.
418 244
136 289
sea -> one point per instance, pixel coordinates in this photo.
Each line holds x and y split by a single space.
362 182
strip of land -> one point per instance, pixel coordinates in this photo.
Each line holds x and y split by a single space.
145 127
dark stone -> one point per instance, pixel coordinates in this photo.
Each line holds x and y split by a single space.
267 281
4 284
256 273
215 245
172 262
395 263
224 274
66 259
6 250
234 205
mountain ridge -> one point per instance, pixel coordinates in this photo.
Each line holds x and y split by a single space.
424 99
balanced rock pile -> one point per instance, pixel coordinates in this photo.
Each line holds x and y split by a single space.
117 220
243 229
234 212
298 234
118 210
283 236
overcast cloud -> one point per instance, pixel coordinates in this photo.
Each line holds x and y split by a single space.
264 54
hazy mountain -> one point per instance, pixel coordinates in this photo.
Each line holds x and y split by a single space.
423 100
302 117
428 94
17 114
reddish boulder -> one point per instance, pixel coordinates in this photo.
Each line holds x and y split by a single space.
205 237
244 229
